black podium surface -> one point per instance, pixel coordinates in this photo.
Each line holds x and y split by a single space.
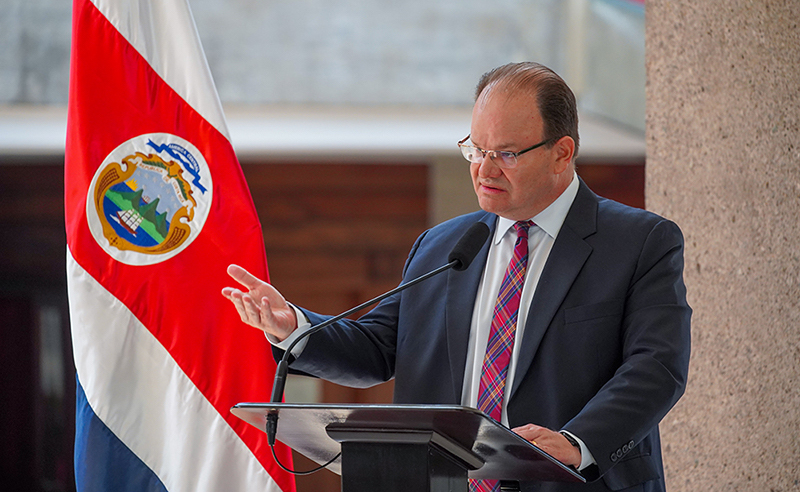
467 437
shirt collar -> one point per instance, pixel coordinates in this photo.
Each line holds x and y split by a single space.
550 219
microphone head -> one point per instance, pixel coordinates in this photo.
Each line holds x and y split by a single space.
468 246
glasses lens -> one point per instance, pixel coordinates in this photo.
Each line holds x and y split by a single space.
471 153
506 159
502 158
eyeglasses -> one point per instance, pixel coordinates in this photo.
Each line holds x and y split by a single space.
503 158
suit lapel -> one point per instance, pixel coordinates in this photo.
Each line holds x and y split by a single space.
570 251
462 287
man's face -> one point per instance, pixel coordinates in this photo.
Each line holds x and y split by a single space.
513 123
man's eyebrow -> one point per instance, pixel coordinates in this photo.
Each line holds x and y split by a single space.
501 148
504 147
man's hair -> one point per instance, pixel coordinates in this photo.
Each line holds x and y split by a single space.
553 96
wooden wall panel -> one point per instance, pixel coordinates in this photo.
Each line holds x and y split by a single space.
621 182
337 234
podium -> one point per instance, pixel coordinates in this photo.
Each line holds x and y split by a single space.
407 448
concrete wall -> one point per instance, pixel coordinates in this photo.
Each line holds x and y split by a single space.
723 161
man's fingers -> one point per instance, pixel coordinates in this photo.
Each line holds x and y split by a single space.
252 310
235 296
529 431
541 437
260 305
244 277
267 317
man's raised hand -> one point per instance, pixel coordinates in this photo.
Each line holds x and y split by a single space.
260 305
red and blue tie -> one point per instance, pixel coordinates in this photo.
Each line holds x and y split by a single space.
501 340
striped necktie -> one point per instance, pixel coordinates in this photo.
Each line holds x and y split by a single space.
501 340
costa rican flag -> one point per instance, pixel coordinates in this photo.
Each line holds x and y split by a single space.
156 209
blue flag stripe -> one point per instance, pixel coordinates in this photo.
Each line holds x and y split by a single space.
102 461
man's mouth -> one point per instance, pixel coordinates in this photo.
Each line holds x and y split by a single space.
488 187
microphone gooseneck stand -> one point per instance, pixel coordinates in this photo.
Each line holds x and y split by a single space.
459 259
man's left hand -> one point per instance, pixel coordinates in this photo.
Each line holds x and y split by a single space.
551 442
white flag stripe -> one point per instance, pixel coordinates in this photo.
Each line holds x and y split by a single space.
139 392
164 33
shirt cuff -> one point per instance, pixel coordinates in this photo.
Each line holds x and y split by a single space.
302 326
586 456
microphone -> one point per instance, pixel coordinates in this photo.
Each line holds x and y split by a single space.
466 249
459 259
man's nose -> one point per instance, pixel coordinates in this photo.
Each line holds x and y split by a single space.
488 167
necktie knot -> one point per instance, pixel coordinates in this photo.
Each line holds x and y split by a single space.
522 227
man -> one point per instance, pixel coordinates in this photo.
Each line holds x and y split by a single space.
597 351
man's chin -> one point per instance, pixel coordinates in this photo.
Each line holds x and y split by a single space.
491 206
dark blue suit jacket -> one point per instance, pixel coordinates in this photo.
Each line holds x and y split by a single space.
605 353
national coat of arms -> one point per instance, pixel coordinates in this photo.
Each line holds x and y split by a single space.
149 199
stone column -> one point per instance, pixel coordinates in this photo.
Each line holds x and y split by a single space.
723 161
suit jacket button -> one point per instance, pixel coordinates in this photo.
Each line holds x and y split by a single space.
625 448
613 457
619 453
630 444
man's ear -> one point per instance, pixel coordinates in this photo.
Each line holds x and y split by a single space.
565 151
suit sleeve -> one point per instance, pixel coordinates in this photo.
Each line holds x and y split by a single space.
355 353
655 339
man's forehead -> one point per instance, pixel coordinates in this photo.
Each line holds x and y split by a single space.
504 118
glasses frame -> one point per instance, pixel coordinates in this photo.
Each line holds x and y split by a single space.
495 155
